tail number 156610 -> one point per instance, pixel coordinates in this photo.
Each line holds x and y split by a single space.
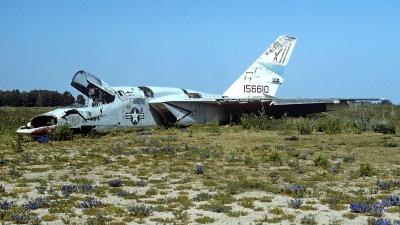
255 88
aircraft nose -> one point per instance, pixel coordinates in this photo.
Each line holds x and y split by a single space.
43 120
39 125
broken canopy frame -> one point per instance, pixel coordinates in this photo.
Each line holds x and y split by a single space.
92 87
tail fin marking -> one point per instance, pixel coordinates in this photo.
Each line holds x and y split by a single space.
263 77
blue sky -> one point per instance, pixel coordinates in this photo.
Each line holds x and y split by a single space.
344 48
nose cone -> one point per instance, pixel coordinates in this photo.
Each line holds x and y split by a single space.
35 132
39 126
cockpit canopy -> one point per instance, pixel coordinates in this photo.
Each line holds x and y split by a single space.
93 87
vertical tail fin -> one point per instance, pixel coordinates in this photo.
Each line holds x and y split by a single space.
263 77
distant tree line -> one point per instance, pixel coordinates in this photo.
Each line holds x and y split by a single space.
38 98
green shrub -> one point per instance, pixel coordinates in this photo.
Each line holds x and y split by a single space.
224 197
233 187
151 191
385 129
253 121
321 161
204 220
262 122
360 125
248 160
390 144
63 133
98 220
215 126
395 172
349 158
366 169
275 157
305 126
292 138
330 125
286 125
17 144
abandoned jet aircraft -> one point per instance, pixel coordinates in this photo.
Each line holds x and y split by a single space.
140 107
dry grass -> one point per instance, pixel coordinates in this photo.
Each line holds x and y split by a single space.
243 172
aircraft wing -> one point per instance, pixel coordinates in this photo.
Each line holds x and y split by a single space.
296 101
272 101
185 111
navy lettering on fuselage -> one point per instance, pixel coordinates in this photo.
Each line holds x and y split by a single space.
138 101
